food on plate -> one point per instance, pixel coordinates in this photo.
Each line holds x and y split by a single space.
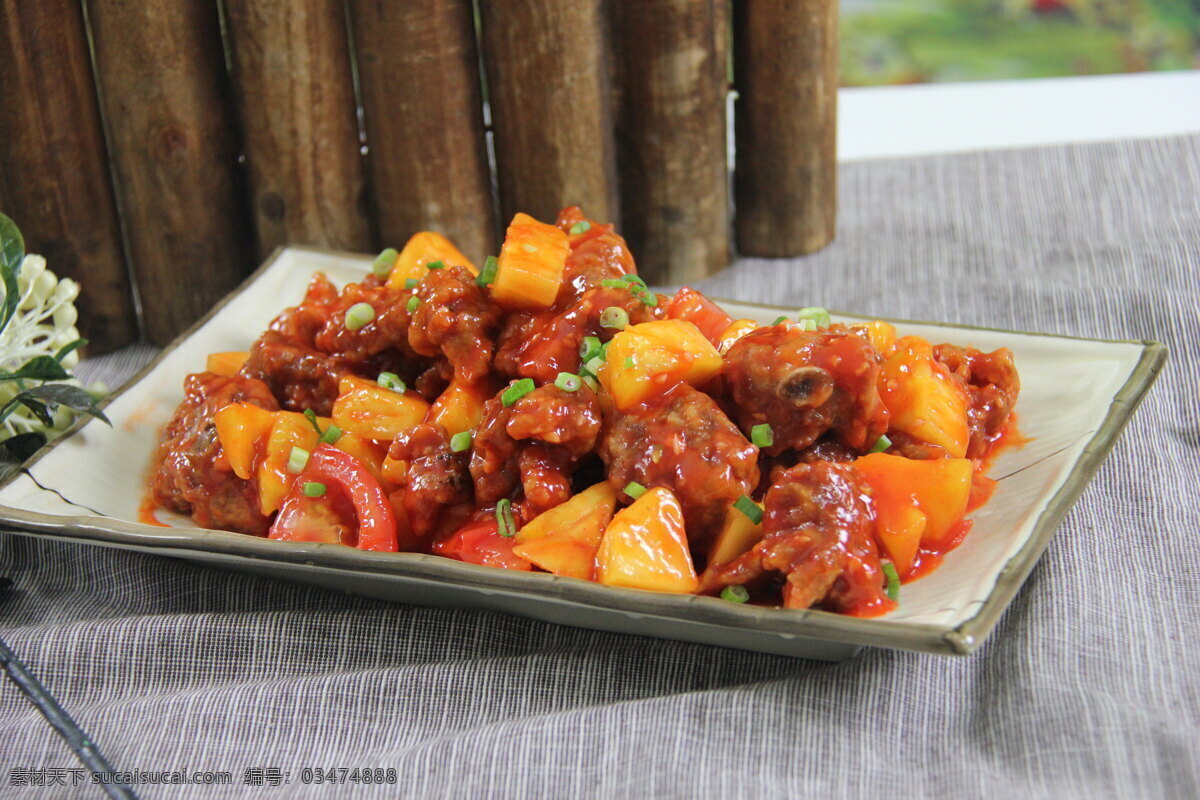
546 411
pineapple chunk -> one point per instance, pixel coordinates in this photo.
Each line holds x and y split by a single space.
564 539
881 335
368 452
530 268
227 364
460 407
923 399
645 547
916 502
422 248
736 330
737 535
242 427
367 409
649 358
290 430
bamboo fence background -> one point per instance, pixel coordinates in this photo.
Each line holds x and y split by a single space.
157 150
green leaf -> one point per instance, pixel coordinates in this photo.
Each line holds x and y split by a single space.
54 394
12 253
41 368
23 445
69 348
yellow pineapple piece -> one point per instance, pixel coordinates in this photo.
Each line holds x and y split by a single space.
649 358
922 397
564 539
645 547
422 249
530 267
289 430
369 410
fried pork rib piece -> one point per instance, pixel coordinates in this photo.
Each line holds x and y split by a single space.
806 384
992 384
437 477
455 319
818 538
191 475
534 442
681 440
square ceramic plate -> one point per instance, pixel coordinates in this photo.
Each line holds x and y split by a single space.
1076 396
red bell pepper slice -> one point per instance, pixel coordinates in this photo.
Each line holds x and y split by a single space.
693 307
351 495
479 541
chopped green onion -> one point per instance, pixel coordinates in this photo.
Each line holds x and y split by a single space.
594 365
735 594
411 284
648 298
515 392
384 262
568 382
359 315
749 508
881 444
635 490
460 442
613 283
505 523
614 317
591 383
583 226
432 265
589 349
314 489
762 435
631 279
628 362
390 380
297 460
604 350
413 302
817 314
488 274
779 320
893 581
331 435
311 416
807 324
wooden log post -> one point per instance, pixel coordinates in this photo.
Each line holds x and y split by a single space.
164 93
549 91
295 91
671 145
418 71
786 72
54 176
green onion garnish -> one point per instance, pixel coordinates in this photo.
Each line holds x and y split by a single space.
628 362
390 380
583 226
488 274
614 317
817 314
411 284
591 383
435 265
515 392
779 320
594 365
384 262
331 435
589 349
412 304
749 508
635 490
881 444
735 594
807 324
297 460
613 283
314 489
893 581
460 442
311 416
505 523
568 382
358 315
762 435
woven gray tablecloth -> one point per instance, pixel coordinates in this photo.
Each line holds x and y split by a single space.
1090 687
